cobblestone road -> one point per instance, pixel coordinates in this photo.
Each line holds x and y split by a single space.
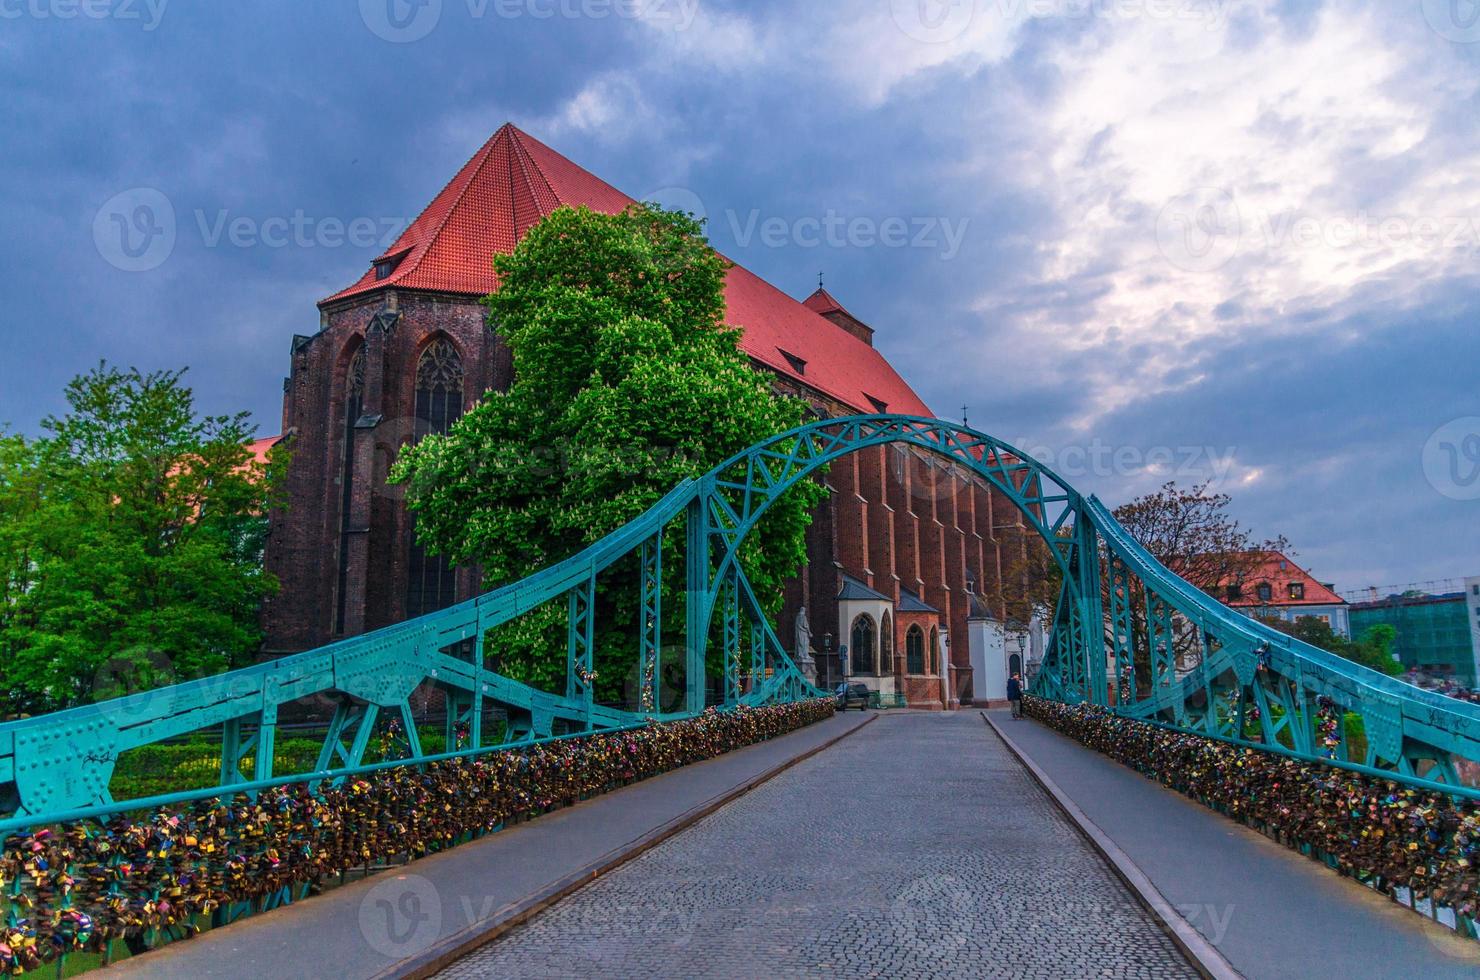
917 847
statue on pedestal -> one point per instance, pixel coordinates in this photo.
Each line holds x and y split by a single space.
802 648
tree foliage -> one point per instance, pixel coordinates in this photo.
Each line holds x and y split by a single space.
627 380
1374 648
1192 532
131 539
1031 578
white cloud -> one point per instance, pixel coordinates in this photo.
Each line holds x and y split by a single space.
1298 167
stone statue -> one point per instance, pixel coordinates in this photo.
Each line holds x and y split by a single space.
802 651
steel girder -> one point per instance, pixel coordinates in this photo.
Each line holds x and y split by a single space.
65 760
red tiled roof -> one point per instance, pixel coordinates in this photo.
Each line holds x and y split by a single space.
259 448
514 180
822 302
1279 579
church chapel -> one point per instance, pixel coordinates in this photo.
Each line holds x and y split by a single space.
900 556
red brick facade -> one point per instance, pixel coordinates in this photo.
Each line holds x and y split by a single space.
894 519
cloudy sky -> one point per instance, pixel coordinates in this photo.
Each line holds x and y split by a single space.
1146 239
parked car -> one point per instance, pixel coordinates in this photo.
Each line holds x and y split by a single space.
850 695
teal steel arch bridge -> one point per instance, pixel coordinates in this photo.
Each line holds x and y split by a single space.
59 766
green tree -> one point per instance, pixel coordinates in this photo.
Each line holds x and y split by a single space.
1374 648
1191 531
627 380
130 543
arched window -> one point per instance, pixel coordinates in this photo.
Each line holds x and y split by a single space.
914 650
431 582
934 648
886 644
861 644
354 401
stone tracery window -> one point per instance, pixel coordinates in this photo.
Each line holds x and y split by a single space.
914 650
861 647
354 402
431 580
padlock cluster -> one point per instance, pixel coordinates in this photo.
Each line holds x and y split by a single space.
145 876
1382 832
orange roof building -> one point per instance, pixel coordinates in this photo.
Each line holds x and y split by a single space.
1277 587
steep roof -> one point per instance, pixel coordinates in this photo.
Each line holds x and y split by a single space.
514 180
259 448
822 302
909 602
852 588
1280 572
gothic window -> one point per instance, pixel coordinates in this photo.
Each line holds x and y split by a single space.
861 645
431 580
914 650
934 649
354 400
886 643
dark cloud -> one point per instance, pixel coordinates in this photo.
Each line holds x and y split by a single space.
282 109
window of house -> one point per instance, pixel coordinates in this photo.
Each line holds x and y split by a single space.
1297 590
880 406
1235 591
386 265
1265 592
914 650
798 364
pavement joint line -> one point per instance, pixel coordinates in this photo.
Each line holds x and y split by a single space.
1204 956
446 952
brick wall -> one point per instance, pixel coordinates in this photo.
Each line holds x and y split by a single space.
894 517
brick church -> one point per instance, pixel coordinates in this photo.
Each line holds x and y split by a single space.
900 556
